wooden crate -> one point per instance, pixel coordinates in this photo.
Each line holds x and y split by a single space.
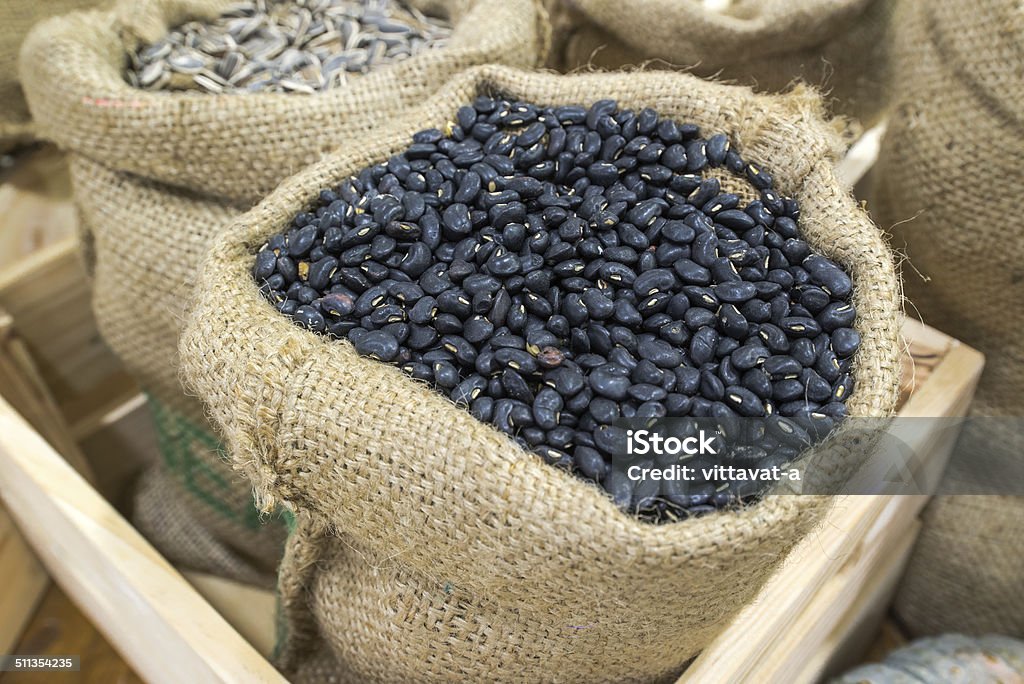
819 611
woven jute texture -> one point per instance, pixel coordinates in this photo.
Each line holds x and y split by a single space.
16 18
430 546
157 175
147 241
947 179
840 46
238 146
161 513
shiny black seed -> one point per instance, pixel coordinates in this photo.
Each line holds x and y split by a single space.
377 344
845 342
608 382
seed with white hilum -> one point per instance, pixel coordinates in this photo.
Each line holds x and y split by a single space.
303 46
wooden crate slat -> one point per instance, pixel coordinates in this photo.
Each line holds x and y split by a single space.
24 582
147 610
47 294
741 650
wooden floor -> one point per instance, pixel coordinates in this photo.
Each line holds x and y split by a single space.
35 212
59 628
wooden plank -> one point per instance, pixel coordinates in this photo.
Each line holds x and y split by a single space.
35 205
44 287
743 652
119 446
24 388
116 577
860 595
24 582
860 157
59 628
47 295
248 609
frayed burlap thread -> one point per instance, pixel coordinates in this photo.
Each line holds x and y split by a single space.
159 513
947 179
238 147
840 46
16 18
431 546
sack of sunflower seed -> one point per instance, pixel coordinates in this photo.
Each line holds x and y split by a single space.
178 114
841 47
958 99
422 345
16 18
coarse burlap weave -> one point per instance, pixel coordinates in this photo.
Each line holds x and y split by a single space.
16 18
157 175
838 45
161 513
239 147
948 181
146 242
428 545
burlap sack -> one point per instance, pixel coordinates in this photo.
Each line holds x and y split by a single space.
16 18
430 546
147 240
146 237
947 180
238 147
161 513
838 45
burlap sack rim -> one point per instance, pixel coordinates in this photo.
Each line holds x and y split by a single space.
766 28
101 88
146 20
300 353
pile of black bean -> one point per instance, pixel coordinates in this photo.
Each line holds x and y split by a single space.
554 269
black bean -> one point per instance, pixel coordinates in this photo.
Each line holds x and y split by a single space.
782 366
654 304
735 292
711 386
477 329
702 345
836 315
675 333
774 338
337 304
743 401
566 381
469 389
845 342
749 356
828 275
546 408
598 306
800 326
654 280
377 344
590 463
758 382
421 337
608 382
660 353
610 439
